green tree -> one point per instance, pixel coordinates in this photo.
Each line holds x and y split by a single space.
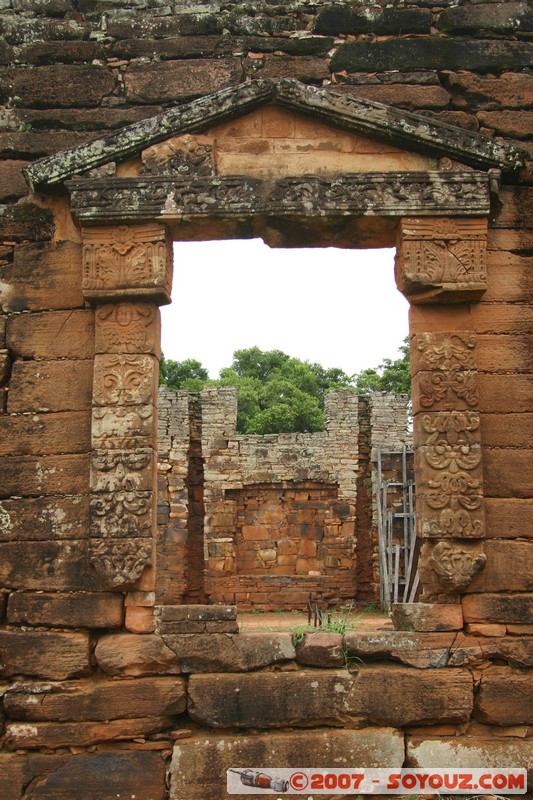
188 375
392 375
277 393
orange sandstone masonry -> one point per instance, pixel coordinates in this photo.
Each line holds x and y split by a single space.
137 127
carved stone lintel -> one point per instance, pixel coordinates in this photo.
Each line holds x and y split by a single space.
120 563
441 259
127 261
124 380
453 564
121 514
123 427
127 328
122 470
445 193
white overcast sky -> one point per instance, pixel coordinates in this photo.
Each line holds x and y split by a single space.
339 308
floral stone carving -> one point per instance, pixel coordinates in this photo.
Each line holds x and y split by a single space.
124 380
127 328
442 260
127 261
454 564
445 371
450 493
119 564
121 514
123 427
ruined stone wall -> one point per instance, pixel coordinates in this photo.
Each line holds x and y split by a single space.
113 705
280 516
288 503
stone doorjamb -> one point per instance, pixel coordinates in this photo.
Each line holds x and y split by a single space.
127 275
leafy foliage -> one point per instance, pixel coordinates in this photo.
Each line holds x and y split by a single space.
390 376
188 375
277 393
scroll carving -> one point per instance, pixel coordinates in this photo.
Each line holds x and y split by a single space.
127 328
448 439
124 380
121 514
445 374
450 492
442 259
115 470
120 563
455 565
123 427
126 261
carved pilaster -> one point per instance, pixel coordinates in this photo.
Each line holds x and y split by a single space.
448 459
128 328
441 260
127 261
127 269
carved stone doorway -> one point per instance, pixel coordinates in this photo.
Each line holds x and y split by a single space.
386 176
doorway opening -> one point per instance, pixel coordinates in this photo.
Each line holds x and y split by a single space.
267 517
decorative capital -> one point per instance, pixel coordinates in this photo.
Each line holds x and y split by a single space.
450 566
120 563
441 260
127 262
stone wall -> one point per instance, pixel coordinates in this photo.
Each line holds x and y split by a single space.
278 517
116 705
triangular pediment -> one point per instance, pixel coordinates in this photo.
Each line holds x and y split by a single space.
413 142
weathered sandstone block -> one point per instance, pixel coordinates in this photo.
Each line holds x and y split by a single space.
65 334
44 475
140 619
131 654
399 696
53 734
387 695
507 430
86 776
509 568
12 181
504 608
199 764
263 649
213 652
173 80
59 85
53 655
505 697
45 434
507 91
56 566
77 701
17 771
41 277
44 519
50 385
415 649
507 471
320 650
465 751
427 617
197 619
269 700
76 610
517 651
